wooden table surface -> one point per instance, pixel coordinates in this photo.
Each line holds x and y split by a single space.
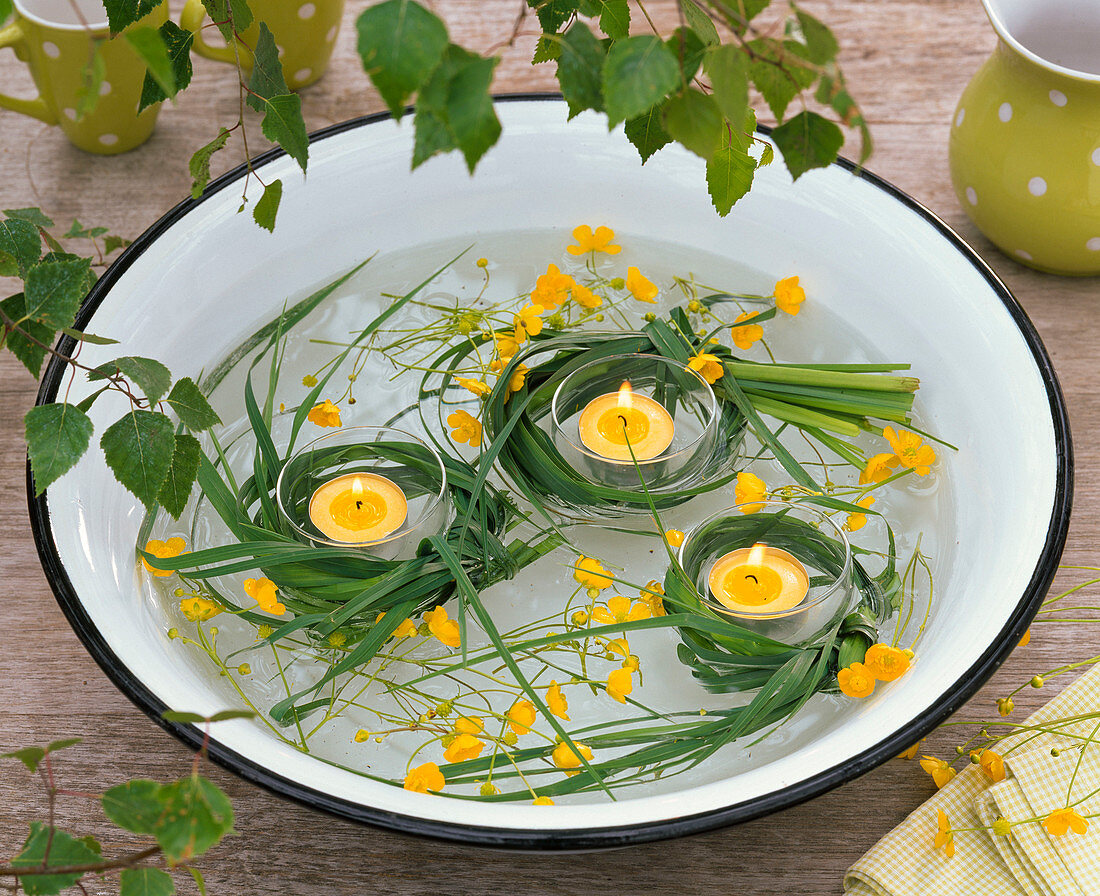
907 61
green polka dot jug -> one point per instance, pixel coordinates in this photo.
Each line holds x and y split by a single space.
1025 140
55 39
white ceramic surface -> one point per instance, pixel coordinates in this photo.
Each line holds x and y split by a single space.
883 264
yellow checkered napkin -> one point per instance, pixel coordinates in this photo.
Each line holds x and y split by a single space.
1028 862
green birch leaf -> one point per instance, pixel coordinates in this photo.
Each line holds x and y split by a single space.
30 215
197 814
242 14
689 50
91 80
20 240
432 136
29 756
79 232
546 50
200 881
267 79
400 44
767 156
729 177
177 41
63 851
615 18
647 132
134 806
229 15
821 45
283 124
740 12
122 13
81 336
775 71
553 13
226 714
457 96
148 374
54 745
55 289
639 73
149 45
9 267
693 119
832 91
808 141
6 9
728 71
182 716
700 22
191 405
199 166
176 488
114 242
28 342
580 69
138 449
268 207
145 882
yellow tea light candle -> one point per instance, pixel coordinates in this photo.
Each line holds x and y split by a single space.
759 579
609 421
358 507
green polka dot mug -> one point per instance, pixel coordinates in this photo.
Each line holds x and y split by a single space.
1025 140
304 31
55 39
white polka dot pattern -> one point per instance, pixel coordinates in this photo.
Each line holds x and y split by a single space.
1005 112
1036 186
1058 98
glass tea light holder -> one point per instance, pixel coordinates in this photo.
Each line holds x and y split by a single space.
781 568
626 416
375 488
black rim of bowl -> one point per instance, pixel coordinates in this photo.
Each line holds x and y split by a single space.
572 838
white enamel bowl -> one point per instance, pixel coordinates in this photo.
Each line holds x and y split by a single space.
874 257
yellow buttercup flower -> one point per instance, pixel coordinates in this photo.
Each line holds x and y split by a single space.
479 388
944 835
405 630
527 323
515 381
940 771
749 490
789 296
591 574
674 537
199 609
642 289
556 702
565 757
857 521
1005 705
745 336
265 593
443 627
910 450
653 594
708 366
424 778
464 428
599 241
618 645
309 381
542 801
886 663
992 764
324 414
552 288
469 725
521 716
1001 826
856 680
620 683
463 747
879 467
585 297
911 753
173 547
1062 820
620 609
506 346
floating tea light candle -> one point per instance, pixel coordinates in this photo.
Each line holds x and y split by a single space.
759 579
608 423
358 507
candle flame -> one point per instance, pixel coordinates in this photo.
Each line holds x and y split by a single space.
357 487
626 395
757 554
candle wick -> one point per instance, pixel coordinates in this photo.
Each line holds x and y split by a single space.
358 505
755 580
625 424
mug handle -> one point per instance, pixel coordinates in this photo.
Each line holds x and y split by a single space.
13 37
191 20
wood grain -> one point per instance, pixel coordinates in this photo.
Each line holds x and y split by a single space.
907 61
